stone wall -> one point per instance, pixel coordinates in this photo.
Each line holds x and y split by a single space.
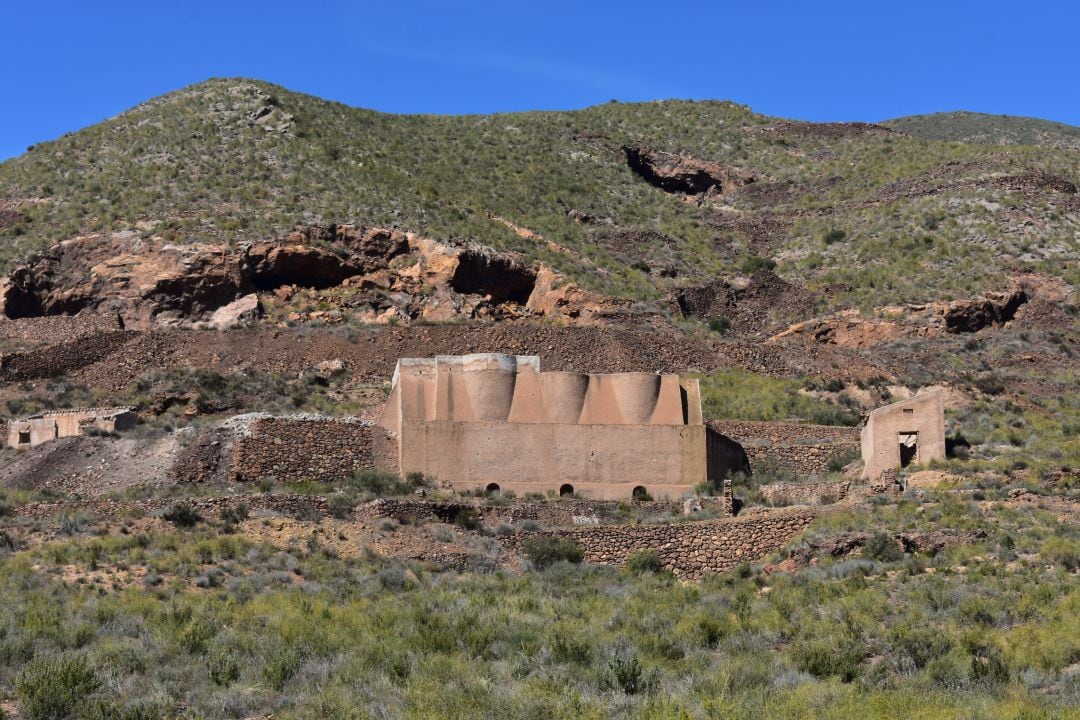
323 450
804 493
56 359
561 513
692 549
800 448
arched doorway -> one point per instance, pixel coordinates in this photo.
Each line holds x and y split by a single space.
640 493
566 491
492 489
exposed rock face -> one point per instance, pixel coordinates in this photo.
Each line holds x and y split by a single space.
751 305
373 274
684 174
853 329
995 308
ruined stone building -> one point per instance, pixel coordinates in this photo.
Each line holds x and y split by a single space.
496 422
36 429
904 433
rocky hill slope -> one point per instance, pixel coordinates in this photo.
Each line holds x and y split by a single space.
632 200
984 129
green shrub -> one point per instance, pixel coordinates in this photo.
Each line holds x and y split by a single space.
719 325
284 662
833 236
825 657
1062 551
840 459
754 263
223 665
55 687
625 672
546 551
883 548
182 515
644 561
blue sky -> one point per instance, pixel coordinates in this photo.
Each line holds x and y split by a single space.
65 65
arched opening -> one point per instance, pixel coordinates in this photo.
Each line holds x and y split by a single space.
566 491
492 489
640 493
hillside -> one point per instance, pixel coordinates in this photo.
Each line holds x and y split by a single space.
850 206
244 267
986 129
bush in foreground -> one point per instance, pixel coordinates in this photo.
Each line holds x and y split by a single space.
546 551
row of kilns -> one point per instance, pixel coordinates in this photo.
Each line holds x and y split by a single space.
527 396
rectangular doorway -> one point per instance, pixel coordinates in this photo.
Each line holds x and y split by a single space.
909 448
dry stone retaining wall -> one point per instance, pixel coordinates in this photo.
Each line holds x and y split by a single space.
65 357
801 448
694 549
804 493
323 450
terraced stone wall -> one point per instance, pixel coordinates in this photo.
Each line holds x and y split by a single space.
803 449
694 549
322 450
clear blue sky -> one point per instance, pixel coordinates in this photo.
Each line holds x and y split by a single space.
65 65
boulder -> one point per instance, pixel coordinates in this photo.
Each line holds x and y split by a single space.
243 311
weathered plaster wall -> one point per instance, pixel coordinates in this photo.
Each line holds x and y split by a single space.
315 449
922 414
68 423
598 461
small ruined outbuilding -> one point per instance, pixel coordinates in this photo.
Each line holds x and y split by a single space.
33 430
905 433
495 422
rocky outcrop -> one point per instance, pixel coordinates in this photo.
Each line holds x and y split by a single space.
373 274
989 310
754 304
683 173
854 329
243 311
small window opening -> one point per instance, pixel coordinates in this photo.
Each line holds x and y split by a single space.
24 437
909 411
566 491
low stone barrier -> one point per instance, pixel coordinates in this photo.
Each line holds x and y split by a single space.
690 550
804 493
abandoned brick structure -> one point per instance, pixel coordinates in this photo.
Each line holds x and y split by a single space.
904 433
495 422
36 429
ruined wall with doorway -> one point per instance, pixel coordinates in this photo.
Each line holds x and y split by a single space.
905 433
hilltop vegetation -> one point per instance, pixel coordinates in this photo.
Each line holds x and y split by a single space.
234 160
985 129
